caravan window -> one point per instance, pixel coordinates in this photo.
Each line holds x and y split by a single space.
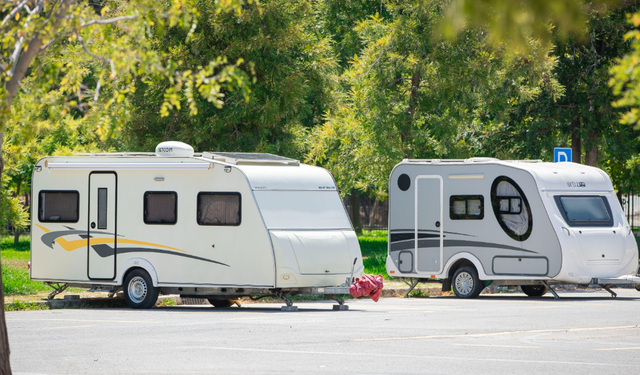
160 207
511 208
584 211
58 206
219 209
466 207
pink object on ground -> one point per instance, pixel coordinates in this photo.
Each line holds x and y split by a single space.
368 285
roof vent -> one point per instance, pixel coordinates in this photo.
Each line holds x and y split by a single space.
173 148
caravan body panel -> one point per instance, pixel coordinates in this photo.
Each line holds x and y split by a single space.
203 220
507 219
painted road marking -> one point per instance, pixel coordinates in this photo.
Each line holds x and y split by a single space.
636 348
497 333
86 320
67 327
426 357
501 346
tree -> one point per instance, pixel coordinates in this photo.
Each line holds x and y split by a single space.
514 23
87 54
294 69
625 76
408 96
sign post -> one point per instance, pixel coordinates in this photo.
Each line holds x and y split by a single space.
561 155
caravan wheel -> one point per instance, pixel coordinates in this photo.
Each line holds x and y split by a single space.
139 292
534 290
466 283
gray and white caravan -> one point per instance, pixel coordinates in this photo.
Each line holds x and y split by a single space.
212 225
481 221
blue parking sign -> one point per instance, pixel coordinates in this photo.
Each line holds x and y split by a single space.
561 154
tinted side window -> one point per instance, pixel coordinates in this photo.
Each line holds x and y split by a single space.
160 207
466 207
219 209
58 206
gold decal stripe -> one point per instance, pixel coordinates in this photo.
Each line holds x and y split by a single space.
76 244
43 228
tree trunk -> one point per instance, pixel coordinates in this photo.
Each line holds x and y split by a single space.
576 142
355 212
591 156
16 232
407 133
12 90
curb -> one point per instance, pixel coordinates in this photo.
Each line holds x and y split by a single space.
74 301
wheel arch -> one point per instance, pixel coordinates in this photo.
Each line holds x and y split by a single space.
464 259
140 263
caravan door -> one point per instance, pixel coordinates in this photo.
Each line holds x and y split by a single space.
102 226
429 231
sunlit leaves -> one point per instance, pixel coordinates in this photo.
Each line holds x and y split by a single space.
100 49
625 77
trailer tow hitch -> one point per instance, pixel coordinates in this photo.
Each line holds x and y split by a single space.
57 289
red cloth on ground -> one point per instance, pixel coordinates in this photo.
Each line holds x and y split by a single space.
368 285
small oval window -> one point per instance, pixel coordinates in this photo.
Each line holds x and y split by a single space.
404 182
511 208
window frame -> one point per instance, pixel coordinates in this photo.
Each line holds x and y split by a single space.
608 224
41 209
144 209
201 193
495 203
466 199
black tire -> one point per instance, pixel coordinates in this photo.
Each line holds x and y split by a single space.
219 302
638 287
466 283
534 290
139 292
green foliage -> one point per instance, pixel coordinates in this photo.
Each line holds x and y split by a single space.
515 23
406 96
293 68
11 210
84 56
625 76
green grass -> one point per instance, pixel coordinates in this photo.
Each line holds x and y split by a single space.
373 245
23 306
15 275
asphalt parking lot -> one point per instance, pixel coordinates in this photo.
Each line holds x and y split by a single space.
585 332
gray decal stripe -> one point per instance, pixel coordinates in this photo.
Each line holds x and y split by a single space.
49 238
436 231
396 237
106 250
453 243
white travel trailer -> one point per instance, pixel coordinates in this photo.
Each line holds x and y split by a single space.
481 221
211 225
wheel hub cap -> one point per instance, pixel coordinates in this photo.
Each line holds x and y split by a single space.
137 289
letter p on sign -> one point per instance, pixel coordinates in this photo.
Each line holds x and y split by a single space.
561 154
